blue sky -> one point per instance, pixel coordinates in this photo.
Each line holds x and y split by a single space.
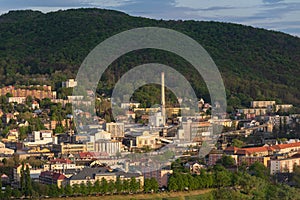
281 15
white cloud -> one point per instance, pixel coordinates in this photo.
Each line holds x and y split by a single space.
106 3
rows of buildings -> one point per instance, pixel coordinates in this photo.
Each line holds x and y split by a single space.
111 150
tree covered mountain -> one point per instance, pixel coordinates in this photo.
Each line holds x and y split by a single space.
48 48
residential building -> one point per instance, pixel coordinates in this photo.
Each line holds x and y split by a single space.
146 139
50 177
194 167
286 148
13 136
70 83
284 165
5 151
222 122
69 148
284 107
60 164
35 105
262 104
112 147
18 100
116 129
130 105
251 160
213 156
255 151
161 175
252 112
195 131
157 120
41 137
39 92
93 174
17 172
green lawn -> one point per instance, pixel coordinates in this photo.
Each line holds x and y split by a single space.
191 195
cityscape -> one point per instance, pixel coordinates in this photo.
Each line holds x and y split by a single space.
61 137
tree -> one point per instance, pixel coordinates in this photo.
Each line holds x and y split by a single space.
111 187
97 186
147 185
1 194
29 100
104 186
259 170
8 192
172 183
22 179
154 184
226 161
296 175
75 189
28 183
134 185
17 193
118 185
126 186
53 191
83 189
222 177
89 187
237 143
151 185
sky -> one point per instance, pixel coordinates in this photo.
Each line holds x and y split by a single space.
279 15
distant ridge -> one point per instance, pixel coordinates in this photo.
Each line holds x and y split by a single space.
254 63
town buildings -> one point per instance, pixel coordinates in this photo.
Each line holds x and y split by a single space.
285 165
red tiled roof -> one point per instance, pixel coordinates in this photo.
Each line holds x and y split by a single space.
252 150
59 160
53 175
284 146
83 155
232 148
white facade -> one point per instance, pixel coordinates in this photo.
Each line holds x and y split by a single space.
156 120
17 100
130 105
108 146
69 83
41 137
285 165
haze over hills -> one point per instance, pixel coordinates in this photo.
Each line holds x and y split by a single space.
254 63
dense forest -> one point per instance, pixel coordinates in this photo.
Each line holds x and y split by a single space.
38 48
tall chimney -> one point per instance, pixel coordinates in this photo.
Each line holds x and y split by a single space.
163 109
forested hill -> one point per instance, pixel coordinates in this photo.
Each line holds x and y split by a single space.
255 63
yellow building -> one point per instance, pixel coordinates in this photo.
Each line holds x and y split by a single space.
146 139
5 151
97 174
69 148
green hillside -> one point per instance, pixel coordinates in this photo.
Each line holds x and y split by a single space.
254 63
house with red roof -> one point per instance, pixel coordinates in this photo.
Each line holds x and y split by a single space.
250 155
50 177
255 151
287 148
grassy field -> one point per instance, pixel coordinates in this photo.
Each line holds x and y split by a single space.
191 195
